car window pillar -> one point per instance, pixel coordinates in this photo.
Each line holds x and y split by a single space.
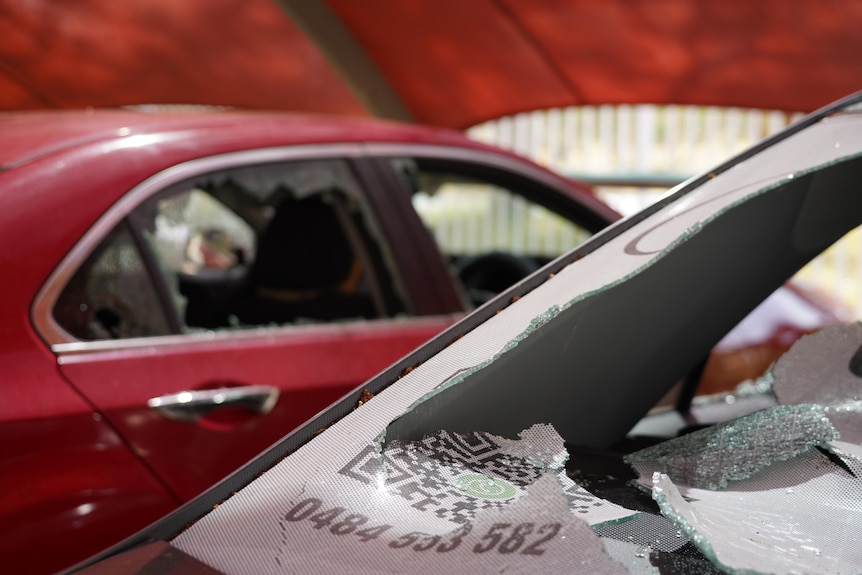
422 267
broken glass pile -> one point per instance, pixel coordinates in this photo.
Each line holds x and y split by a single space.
775 491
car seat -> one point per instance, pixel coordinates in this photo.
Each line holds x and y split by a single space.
305 268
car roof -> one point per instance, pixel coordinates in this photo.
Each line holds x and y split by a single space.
31 135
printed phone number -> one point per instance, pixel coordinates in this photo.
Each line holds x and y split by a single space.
523 538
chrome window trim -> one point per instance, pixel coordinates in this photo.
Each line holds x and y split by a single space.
62 342
202 338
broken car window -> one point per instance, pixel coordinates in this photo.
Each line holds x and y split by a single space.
254 246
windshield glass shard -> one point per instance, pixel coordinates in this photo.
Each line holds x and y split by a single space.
731 451
824 368
449 502
797 516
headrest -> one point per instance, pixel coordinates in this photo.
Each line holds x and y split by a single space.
304 246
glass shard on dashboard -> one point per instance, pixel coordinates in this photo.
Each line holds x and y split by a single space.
796 516
826 368
731 451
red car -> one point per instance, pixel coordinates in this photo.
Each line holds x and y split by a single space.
525 438
182 289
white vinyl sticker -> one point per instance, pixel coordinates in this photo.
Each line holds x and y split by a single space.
453 501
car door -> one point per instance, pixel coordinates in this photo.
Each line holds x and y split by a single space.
225 307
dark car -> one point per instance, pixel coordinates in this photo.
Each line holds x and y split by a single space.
523 439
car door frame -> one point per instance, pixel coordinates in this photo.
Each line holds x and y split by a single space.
69 351
567 198
374 189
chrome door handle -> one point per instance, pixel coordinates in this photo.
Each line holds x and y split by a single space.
192 405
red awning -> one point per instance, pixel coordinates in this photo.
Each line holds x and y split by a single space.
446 62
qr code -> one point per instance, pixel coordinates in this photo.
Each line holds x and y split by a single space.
426 473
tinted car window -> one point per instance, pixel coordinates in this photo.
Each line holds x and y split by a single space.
267 245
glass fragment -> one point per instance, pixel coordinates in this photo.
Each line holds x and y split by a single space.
449 503
731 451
824 368
797 516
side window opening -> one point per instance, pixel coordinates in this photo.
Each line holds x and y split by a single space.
203 249
490 232
278 244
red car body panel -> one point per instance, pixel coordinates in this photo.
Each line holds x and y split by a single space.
67 479
313 366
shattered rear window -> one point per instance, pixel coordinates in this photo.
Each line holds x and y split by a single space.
778 491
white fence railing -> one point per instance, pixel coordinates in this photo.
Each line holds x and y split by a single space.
638 144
